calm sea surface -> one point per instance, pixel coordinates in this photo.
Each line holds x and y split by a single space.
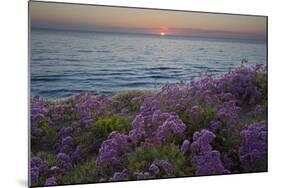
65 63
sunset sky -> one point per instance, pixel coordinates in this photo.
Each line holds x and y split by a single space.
115 19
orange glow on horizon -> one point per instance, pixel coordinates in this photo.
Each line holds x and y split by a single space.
147 21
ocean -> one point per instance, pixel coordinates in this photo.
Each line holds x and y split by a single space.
65 63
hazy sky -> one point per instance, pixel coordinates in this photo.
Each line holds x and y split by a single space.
114 19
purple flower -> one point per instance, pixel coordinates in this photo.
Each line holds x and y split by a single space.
146 175
164 165
67 149
44 167
67 141
38 166
185 146
36 162
201 141
231 161
138 122
78 155
253 150
209 163
34 174
142 176
65 131
56 147
67 166
51 181
215 125
160 121
154 169
113 152
136 135
195 110
62 157
207 160
120 176
259 109
39 113
173 126
90 108
229 113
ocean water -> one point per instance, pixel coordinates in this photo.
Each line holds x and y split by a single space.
65 63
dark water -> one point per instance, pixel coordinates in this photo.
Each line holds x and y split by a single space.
66 63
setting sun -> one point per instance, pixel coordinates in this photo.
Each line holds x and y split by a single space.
162 33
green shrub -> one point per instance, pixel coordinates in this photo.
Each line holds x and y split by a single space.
49 157
261 80
47 139
50 134
83 173
143 156
201 121
99 132
104 126
125 99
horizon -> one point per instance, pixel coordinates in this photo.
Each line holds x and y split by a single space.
95 18
227 39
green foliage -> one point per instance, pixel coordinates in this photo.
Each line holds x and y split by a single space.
261 80
48 138
125 99
104 126
51 160
143 156
83 173
50 134
226 140
101 129
50 157
201 121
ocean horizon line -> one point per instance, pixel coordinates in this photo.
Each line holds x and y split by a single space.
169 36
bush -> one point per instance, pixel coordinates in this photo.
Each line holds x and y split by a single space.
47 139
143 157
50 157
85 173
131 100
92 137
261 80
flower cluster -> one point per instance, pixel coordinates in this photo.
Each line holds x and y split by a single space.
65 142
185 146
59 112
38 167
65 161
161 166
206 159
39 111
157 127
229 113
242 83
112 153
120 176
201 141
253 149
209 163
211 125
90 108
51 181
173 127
142 175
